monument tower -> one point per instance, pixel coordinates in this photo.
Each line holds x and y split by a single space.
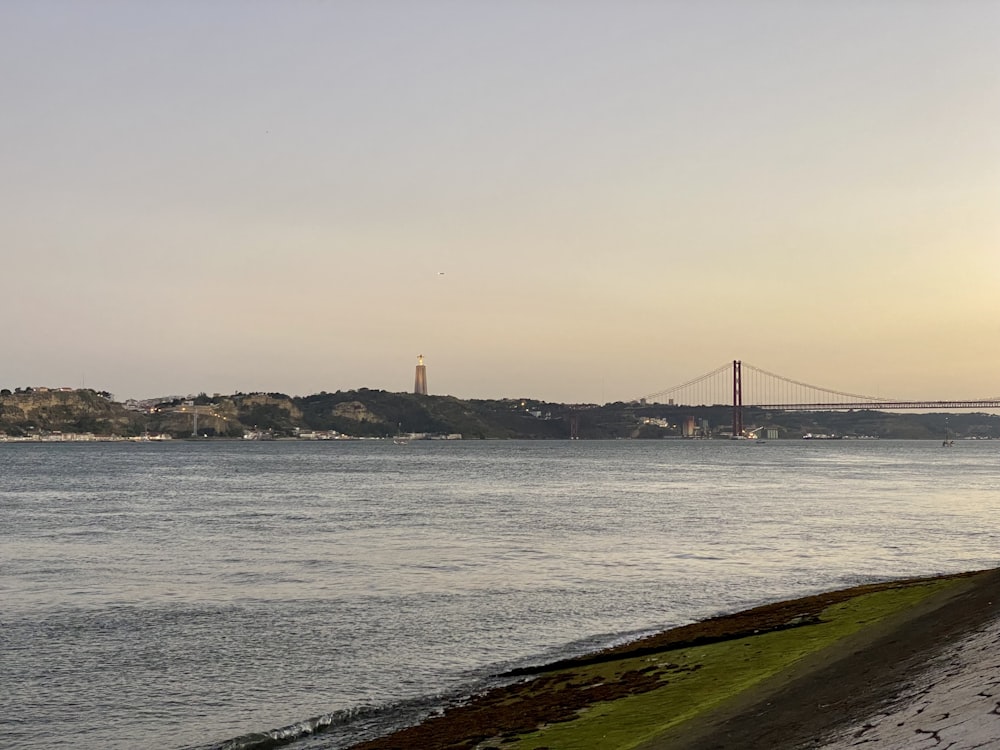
420 381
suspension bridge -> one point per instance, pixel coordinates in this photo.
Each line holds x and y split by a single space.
744 385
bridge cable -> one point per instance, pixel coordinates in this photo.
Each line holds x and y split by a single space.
696 381
816 387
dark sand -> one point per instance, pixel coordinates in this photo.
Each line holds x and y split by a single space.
839 685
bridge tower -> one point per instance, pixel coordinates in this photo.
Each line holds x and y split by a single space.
737 398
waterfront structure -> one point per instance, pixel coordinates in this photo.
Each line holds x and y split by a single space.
420 379
688 427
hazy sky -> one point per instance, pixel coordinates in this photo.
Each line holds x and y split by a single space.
570 200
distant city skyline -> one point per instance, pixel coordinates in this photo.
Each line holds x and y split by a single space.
572 201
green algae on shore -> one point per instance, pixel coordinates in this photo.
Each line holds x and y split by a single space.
640 694
693 680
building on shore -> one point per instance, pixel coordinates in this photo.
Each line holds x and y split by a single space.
420 379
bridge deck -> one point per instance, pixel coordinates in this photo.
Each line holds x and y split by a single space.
880 405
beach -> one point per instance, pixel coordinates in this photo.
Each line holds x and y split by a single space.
901 664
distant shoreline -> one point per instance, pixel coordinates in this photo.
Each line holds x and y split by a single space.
49 439
367 414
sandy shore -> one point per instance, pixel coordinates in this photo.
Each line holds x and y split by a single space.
896 665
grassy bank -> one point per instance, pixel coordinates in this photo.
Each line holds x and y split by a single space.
627 696
694 679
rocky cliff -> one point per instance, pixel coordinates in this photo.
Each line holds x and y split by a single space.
47 410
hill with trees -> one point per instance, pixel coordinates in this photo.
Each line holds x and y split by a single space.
366 413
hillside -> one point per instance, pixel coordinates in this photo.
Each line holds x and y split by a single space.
44 410
371 413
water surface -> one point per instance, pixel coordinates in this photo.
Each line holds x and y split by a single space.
183 594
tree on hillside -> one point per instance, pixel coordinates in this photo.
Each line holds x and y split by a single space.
268 417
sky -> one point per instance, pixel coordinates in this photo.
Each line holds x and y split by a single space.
569 200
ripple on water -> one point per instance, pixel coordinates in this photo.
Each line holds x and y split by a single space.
208 591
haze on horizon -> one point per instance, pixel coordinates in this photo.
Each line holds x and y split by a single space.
573 201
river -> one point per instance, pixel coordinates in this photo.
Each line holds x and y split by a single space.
181 595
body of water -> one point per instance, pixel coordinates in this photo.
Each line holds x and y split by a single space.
181 595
